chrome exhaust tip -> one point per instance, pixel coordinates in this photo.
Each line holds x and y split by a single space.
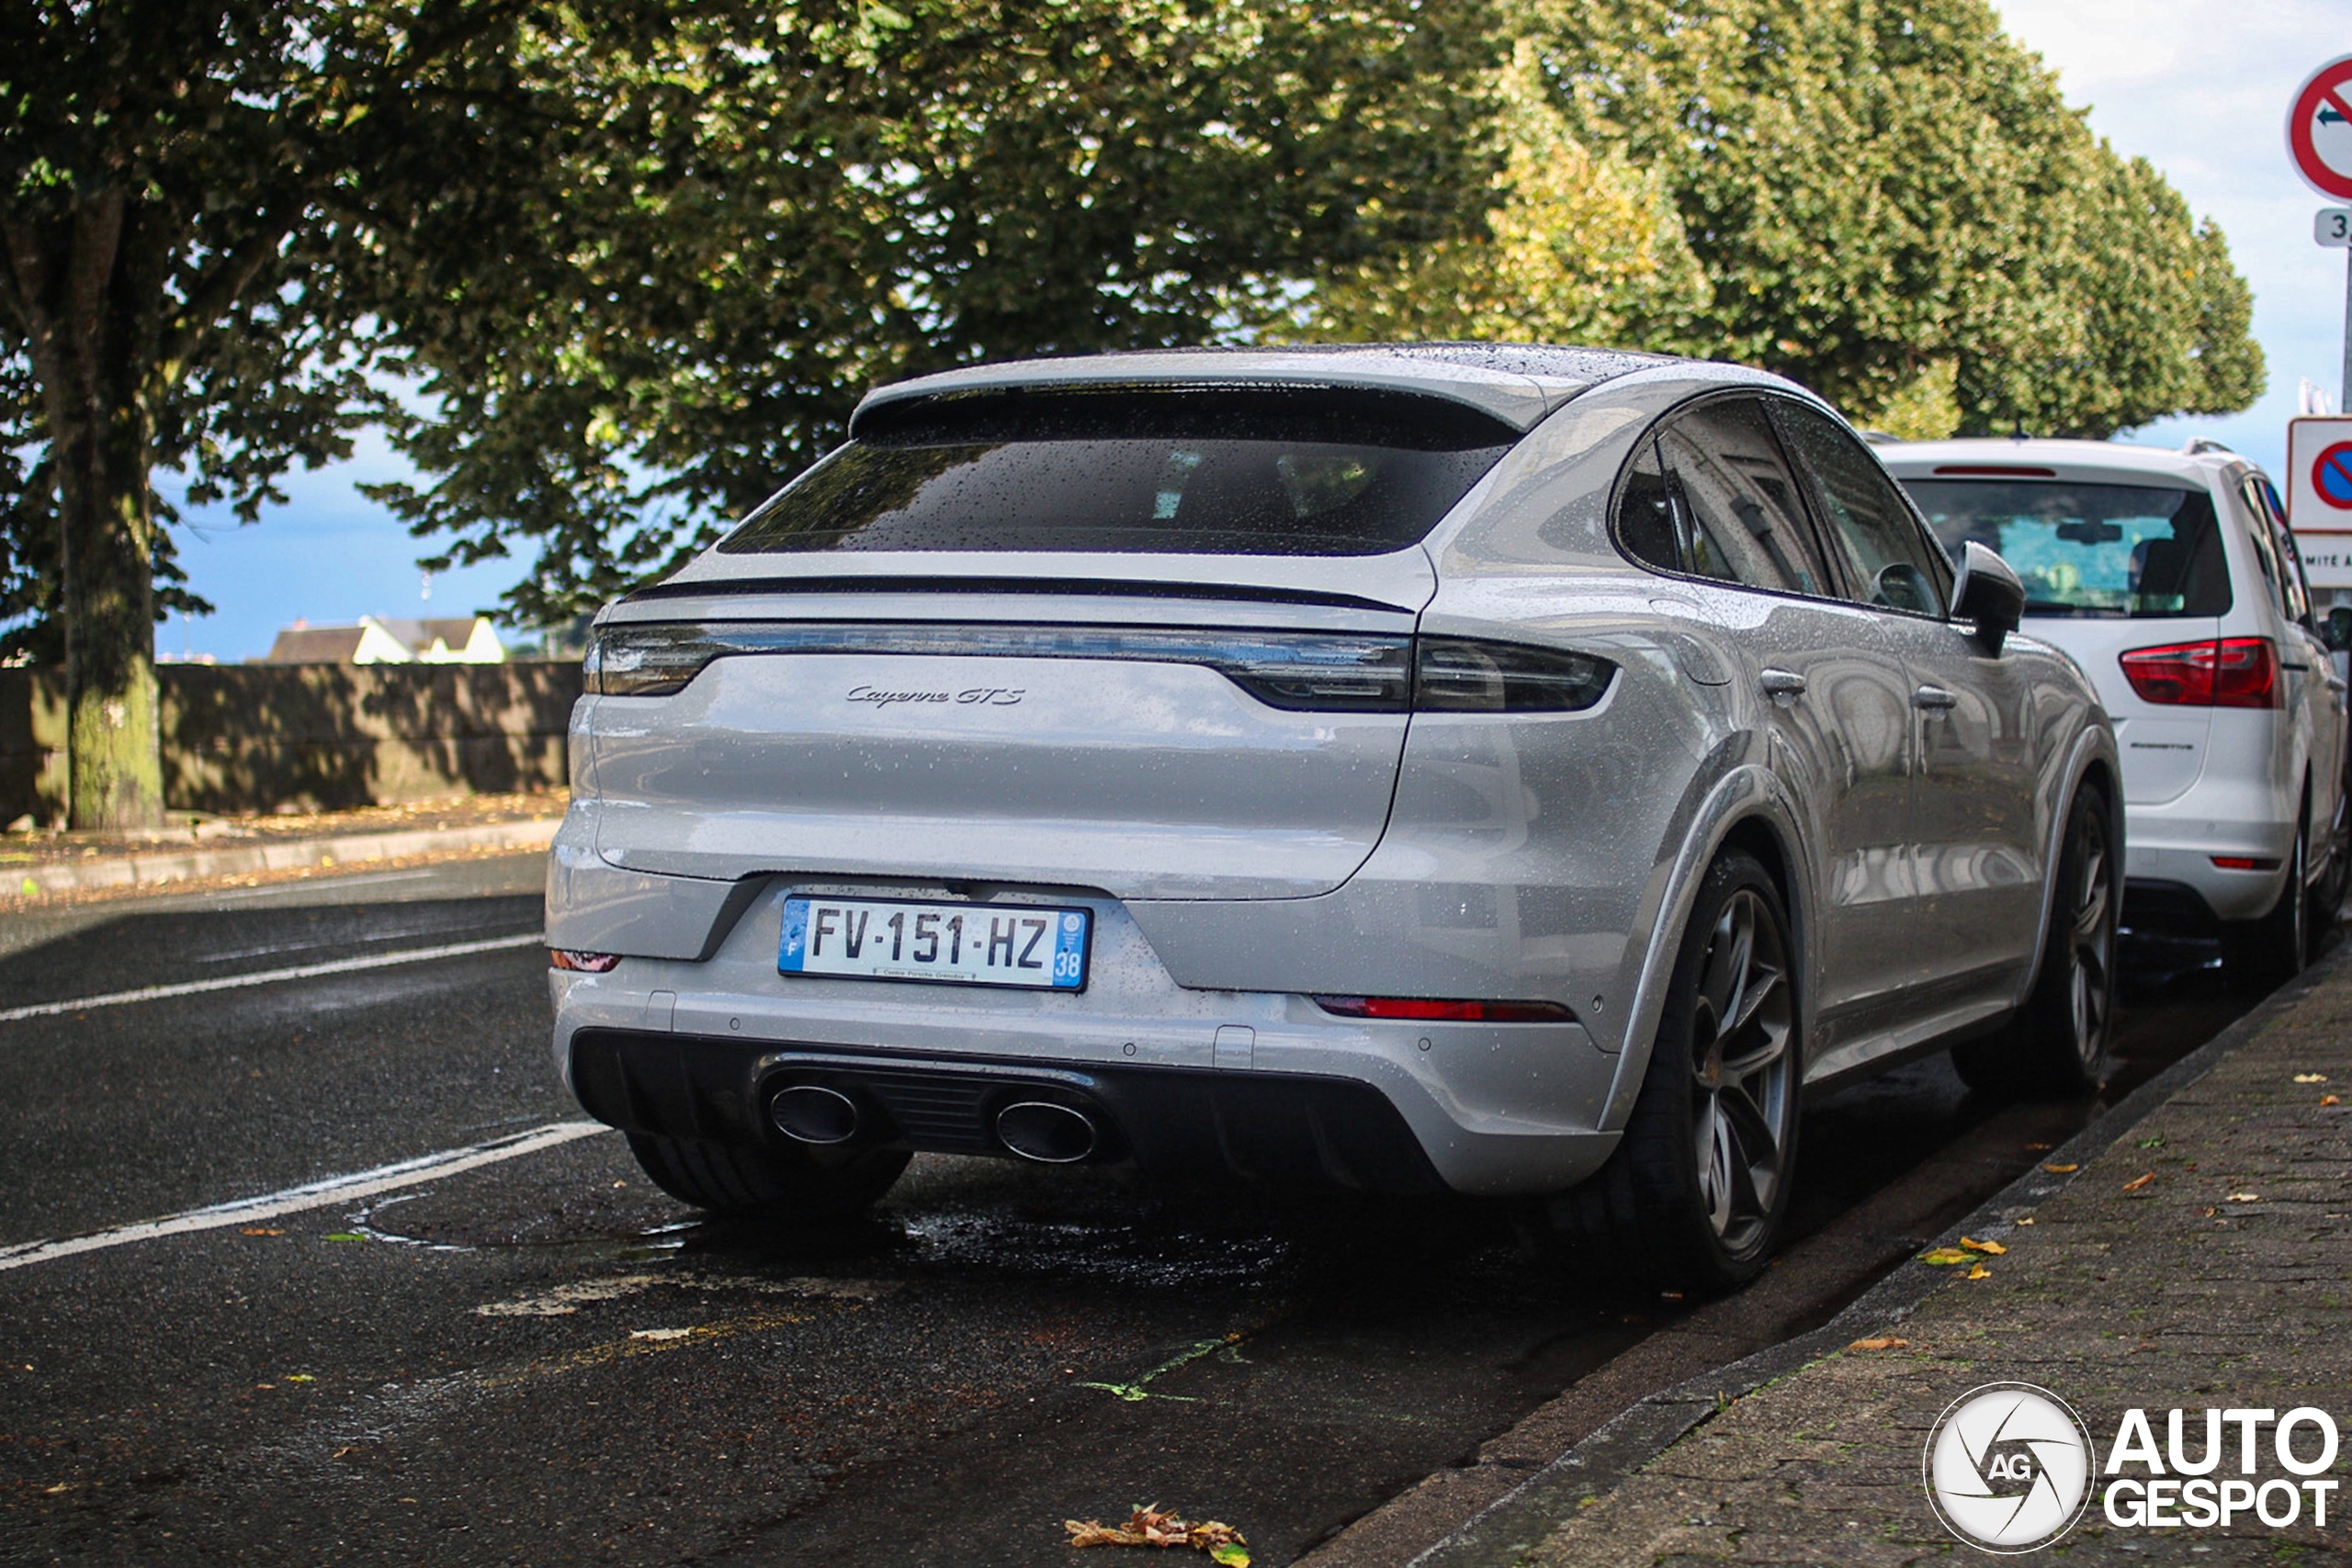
812 1113
1048 1134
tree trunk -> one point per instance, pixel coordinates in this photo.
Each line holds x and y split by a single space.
115 737
68 288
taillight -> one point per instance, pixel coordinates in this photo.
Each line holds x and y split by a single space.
1301 671
1445 1012
1460 675
2229 672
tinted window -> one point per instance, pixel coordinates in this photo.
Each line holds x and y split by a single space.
1330 473
1892 563
2089 550
2262 502
1711 497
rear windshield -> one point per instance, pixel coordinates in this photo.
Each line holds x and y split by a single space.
1336 472
2089 550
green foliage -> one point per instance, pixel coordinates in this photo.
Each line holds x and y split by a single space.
775 208
1886 200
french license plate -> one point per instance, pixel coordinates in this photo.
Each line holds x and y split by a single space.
1031 946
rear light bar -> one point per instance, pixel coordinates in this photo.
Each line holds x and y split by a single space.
1301 671
1445 1012
586 962
2243 862
1993 471
2228 672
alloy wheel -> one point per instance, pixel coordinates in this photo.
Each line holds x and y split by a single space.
2092 947
1743 1092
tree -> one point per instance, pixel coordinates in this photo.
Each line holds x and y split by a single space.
636 259
187 203
1886 200
783 208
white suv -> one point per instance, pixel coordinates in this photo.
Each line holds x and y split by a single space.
2171 577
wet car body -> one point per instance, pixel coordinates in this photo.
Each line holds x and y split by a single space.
1386 850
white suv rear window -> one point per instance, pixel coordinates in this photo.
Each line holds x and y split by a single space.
2089 550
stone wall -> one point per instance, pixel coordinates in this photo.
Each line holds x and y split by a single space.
315 737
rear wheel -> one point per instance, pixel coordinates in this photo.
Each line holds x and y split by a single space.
1696 1194
2056 1045
788 1184
2275 948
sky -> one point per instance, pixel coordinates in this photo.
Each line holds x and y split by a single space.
2198 87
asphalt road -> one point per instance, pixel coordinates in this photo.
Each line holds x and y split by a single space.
539 1359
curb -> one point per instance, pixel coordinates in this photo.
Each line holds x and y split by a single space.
148 868
1501 1534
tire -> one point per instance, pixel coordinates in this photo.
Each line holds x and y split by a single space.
2274 949
802 1185
2056 1045
1695 1197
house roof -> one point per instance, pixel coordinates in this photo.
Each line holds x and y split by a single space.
315 645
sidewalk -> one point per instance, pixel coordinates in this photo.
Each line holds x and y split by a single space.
35 868
2199 1254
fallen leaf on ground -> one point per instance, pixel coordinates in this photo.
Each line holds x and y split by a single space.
2063 1169
1943 1257
2027 1220
2311 1077
345 1235
2242 1198
659 1334
1882 1342
299 1377
1150 1525
262 1230
1979 1272
2139 1181
2329 1100
1995 1248
2036 1149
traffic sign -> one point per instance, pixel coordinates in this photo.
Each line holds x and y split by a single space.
2319 130
2331 226
2332 476
2319 474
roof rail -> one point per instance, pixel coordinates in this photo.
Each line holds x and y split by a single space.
2198 445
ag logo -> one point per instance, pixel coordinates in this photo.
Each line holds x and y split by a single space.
2008 1467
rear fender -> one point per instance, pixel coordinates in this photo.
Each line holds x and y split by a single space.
2094 744
1750 792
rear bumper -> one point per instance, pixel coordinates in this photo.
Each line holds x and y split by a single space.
1278 1129
2176 843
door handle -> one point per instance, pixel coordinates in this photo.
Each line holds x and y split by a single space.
1783 686
1934 699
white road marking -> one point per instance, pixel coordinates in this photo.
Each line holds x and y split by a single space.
269 977
313 1195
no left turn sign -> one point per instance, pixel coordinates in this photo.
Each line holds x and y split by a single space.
2319 130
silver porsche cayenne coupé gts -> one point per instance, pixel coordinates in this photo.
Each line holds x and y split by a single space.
1508 770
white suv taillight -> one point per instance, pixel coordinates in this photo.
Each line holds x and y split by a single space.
2225 673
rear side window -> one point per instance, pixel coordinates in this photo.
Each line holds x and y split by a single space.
1711 496
1330 471
2089 550
1892 563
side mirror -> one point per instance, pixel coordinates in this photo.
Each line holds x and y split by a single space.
2336 630
1988 594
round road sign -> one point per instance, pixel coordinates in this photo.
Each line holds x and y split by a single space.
2319 130
2332 476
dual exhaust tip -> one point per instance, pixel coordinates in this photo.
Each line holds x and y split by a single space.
1036 1130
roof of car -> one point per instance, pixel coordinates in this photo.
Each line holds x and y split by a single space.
1518 383
1999 456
